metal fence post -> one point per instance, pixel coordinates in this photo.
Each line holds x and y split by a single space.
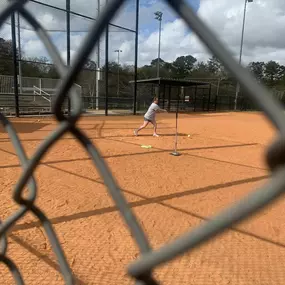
195 97
216 102
68 43
209 98
163 96
20 53
15 63
106 70
98 65
169 98
136 56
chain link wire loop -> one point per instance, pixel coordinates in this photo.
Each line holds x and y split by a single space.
140 270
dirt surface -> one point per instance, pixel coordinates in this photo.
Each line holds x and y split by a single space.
222 161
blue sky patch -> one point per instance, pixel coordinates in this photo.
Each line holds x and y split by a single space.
149 26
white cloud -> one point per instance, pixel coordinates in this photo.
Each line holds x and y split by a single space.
33 47
265 22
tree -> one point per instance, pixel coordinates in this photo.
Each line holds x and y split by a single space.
168 67
214 66
257 68
52 72
154 62
35 66
273 72
125 76
150 71
6 57
184 65
90 64
146 71
200 70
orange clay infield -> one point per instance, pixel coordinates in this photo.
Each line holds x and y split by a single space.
222 161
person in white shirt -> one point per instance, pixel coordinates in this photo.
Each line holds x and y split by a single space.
149 117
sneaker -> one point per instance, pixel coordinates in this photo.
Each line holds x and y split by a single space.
135 133
156 135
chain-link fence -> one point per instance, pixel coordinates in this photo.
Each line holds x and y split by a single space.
68 23
141 269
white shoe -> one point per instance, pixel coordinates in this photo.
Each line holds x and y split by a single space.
156 135
135 133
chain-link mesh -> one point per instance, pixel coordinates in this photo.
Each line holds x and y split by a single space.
142 268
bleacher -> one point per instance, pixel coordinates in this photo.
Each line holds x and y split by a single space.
36 95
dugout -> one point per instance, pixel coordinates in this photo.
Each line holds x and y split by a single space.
190 95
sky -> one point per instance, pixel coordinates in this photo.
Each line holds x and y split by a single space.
263 40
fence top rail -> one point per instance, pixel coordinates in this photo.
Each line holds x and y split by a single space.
174 82
30 77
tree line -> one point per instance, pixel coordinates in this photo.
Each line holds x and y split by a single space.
30 66
270 73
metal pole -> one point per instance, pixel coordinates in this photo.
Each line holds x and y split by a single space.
98 64
158 60
98 45
158 90
169 98
218 87
106 69
14 47
241 48
20 54
217 94
195 97
118 80
163 96
158 16
97 78
68 43
136 56
175 153
118 87
209 98
176 128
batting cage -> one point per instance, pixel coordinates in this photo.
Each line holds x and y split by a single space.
189 95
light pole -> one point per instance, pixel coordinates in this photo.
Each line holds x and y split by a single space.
158 16
241 46
118 87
